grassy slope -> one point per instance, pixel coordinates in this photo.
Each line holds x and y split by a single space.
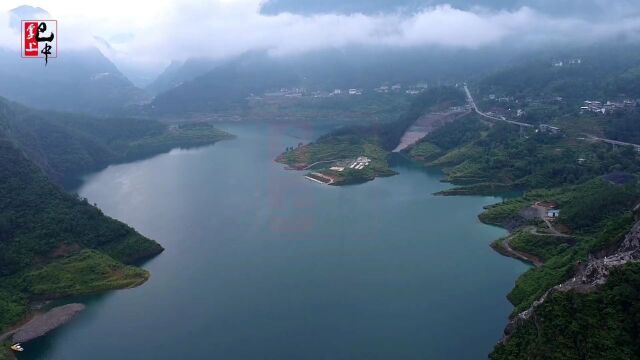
86 272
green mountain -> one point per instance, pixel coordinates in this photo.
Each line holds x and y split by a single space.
178 73
202 87
45 230
78 80
576 75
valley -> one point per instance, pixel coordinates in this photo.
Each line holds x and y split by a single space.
345 180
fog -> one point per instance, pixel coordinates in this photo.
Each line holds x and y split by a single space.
150 34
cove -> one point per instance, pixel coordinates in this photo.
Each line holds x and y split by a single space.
261 263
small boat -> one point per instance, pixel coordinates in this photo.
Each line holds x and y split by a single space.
17 347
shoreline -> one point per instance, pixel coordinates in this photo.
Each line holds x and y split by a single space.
38 324
501 246
32 314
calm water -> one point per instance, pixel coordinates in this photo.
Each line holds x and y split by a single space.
261 263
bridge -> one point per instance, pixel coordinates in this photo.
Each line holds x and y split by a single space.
611 142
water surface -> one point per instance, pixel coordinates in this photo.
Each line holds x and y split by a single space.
261 263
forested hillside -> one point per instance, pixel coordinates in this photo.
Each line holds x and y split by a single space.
66 145
52 243
225 87
40 224
585 74
572 325
593 184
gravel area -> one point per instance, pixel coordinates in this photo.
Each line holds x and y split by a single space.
41 324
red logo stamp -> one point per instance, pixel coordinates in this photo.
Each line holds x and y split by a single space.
40 39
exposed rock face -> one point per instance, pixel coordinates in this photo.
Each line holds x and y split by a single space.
43 323
589 276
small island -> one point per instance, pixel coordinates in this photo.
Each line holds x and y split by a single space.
338 161
357 154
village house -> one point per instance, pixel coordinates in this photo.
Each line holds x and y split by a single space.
608 107
549 209
553 213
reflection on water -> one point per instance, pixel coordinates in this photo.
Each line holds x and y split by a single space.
263 264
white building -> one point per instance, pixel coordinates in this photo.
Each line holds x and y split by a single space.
553 213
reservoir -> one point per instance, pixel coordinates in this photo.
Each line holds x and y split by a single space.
261 263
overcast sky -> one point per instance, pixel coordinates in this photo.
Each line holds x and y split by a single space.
152 33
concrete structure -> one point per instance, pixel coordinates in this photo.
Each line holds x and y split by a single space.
544 128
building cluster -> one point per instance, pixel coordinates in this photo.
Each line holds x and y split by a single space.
338 92
502 99
360 163
300 92
608 107
561 63
293 92
411 90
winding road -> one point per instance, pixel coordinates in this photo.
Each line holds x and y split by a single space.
519 255
497 118
472 102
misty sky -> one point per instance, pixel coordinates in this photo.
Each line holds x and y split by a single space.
152 33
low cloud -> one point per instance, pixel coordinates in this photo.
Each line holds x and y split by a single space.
224 28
